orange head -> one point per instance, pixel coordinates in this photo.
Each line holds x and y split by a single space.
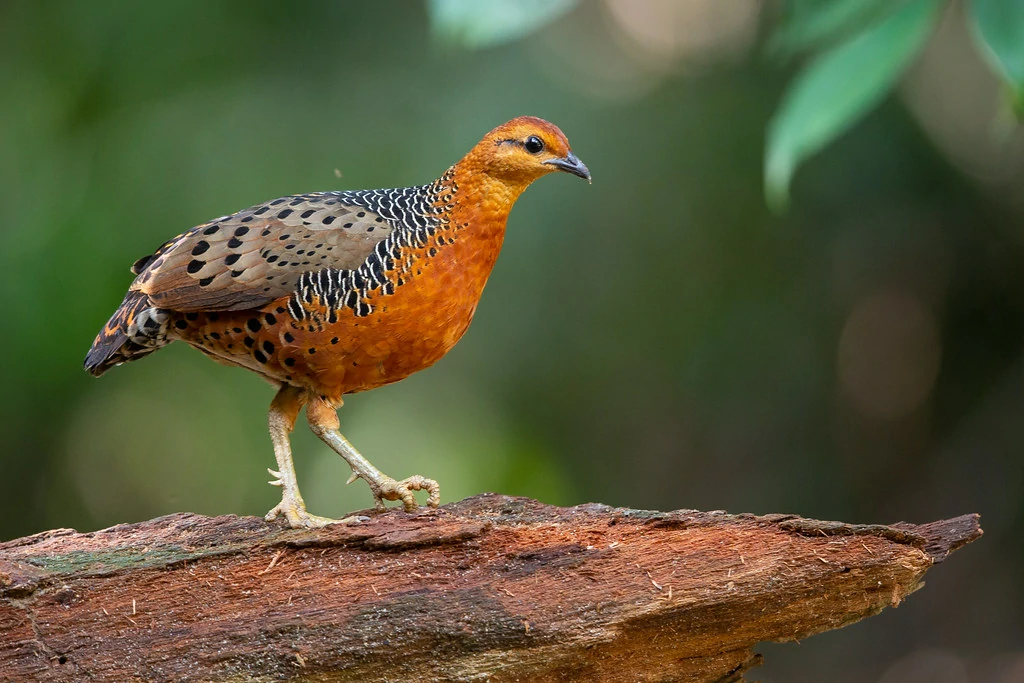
522 150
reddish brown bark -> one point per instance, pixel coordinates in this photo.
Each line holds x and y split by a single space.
489 588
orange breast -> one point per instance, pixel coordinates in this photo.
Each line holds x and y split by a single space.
406 332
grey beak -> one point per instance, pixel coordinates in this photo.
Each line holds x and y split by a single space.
571 164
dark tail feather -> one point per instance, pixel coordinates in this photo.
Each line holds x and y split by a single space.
135 329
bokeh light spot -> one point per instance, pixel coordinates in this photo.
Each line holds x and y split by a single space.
889 352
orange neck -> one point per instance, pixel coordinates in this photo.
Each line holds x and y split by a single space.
482 207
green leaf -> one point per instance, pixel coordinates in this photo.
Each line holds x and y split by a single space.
838 88
810 24
474 24
999 31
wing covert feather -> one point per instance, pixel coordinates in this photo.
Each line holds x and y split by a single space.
255 256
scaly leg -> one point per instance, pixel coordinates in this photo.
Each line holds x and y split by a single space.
284 410
323 420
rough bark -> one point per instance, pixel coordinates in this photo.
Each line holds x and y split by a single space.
490 588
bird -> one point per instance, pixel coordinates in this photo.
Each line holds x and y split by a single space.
328 294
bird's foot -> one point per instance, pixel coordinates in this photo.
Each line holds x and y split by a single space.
295 512
386 488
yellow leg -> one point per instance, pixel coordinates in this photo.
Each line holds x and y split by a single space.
284 410
323 420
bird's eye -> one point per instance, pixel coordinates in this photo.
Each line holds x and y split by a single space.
533 144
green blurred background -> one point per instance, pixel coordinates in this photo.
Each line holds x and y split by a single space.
658 340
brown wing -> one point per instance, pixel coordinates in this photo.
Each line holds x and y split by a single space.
250 258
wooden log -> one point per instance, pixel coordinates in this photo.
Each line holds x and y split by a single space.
490 588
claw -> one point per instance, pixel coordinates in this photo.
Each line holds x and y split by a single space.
389 489
420 483
298 518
